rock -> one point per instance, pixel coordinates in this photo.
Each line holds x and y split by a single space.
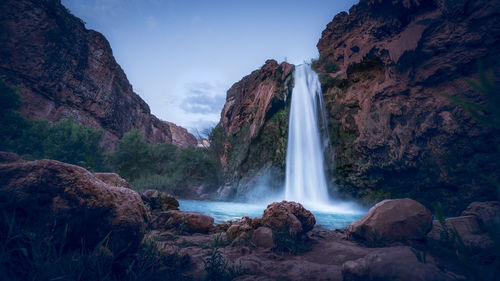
263 237
244 225
181 137
395 263
189 221
254 127
389 221
488 213
112 179
9 157
49 197
463 229
288 217
68 70
391 128
160 200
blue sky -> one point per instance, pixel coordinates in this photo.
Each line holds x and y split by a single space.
181 56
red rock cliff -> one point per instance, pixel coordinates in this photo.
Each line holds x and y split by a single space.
394 133
67 70
254 126
181 137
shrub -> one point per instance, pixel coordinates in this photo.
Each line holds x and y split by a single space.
11 122
331 67
133 157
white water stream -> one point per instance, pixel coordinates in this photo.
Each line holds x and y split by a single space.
306 181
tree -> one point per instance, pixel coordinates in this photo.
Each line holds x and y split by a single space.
11 122
133 157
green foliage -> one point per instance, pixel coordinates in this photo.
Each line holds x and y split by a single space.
65 141
24 256
328 82
11 123
133 157
217 268
164 166
489 114
289 243
331 67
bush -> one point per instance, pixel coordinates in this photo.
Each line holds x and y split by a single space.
331 67
133 157
11 123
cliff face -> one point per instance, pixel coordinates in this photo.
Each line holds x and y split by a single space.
253 129
67 70
180 136
393 131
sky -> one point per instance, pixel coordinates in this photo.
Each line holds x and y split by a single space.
181 56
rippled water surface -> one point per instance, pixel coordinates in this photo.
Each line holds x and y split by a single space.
223 211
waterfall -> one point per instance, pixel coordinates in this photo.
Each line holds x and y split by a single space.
305 168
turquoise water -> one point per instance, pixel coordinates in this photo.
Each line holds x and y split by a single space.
224 211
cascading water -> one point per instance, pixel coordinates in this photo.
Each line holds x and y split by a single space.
305 166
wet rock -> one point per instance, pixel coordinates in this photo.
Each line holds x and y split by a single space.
389 221
112 179
288 217
64 203
263 237
488 213
189 221
158 200
395 263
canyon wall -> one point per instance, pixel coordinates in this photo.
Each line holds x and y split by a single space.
385 68
251 136
66 70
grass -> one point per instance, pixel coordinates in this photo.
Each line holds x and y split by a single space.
25 256
216 267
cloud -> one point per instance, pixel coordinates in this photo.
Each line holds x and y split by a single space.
204 98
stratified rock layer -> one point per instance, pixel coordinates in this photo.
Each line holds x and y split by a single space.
66 70
253 129
394 133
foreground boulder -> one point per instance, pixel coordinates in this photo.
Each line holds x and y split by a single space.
66 204
389 221
288 217
191 222
158 200
112 179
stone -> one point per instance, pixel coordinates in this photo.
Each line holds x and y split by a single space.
395 263
158 200
391 124
189 221
487 213
68 70
462 229
244 225
389 221
9 157
64 203
288 217
112 179
263 237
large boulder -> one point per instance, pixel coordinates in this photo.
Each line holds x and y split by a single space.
487 213
288 217
244 225
263 237
66 204
389 221
160 200
112 179
9 157
394 263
